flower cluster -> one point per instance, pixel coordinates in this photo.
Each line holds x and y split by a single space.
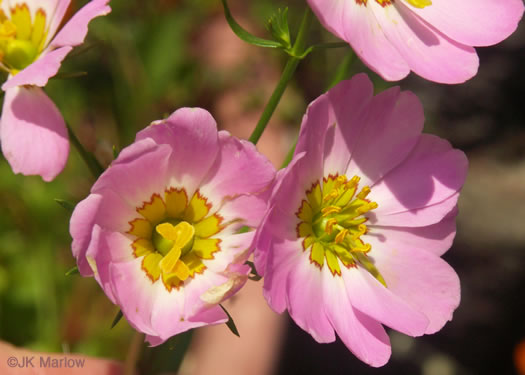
348 236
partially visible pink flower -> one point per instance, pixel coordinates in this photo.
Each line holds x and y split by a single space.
33 134
160 229
358 221
432 38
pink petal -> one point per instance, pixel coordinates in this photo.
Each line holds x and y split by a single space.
357 25
474 22
281 259
234 249
56 9
304 292
388 133
192 135
33 133
180 310
107 248
427 51
74 31
245 210
135 180
348 104
135 294
362 335
411 194
436 238
422 279
39 72
238 169
369 296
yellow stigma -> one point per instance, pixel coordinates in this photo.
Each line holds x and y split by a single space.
180 236
420 3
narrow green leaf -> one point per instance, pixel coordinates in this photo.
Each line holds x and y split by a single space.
73 271
245 35
92 163
253 272
230 323
117 318
278 26
65 204
116 151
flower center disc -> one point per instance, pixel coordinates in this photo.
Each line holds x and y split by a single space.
21 38
332 221
174 236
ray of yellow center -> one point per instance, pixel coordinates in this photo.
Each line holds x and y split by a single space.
181 235
420 3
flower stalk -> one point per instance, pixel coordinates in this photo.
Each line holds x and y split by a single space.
291 65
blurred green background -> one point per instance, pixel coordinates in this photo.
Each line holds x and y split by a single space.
148 58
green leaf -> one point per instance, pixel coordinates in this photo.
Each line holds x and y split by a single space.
278 26
117 318
230 323
73 271
115 152
65 204
245 35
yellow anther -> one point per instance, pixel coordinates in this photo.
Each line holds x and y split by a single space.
361 229
341 236
333 194
364 192
330 210
366 207
340 180
329 225
420 3
354 180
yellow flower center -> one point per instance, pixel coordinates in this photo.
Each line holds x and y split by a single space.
21 38
415 3
174 236
332 222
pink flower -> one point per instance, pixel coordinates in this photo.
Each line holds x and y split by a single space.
433 38
160 229
32 131
358 221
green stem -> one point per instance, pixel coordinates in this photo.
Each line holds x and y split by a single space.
342 70
92 163
289 70
289 156
133 355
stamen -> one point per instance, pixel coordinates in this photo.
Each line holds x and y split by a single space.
329 225
330 210
341 236
364 192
